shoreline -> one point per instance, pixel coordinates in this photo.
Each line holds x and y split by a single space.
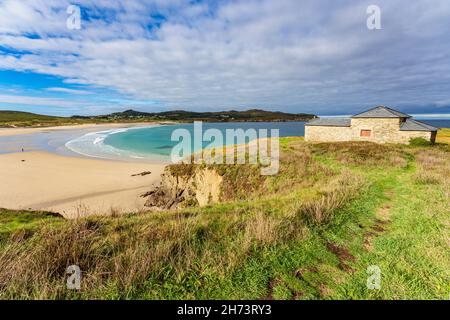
4 132
73 185
55 140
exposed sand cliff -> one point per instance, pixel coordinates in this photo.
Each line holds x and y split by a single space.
201 187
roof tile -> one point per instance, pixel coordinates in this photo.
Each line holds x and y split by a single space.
381 112
330 122
414 125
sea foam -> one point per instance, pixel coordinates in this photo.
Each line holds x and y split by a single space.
92 145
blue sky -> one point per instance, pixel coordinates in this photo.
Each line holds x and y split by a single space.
315 56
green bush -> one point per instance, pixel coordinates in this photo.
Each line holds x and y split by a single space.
419 142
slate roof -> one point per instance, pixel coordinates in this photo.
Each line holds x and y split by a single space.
377 112
330 122
381 112
414 125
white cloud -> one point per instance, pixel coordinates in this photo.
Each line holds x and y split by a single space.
40 101
70 91
315 56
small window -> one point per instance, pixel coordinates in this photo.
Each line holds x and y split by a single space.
366 133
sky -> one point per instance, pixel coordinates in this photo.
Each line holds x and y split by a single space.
296 56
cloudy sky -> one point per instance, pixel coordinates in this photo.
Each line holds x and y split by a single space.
313 56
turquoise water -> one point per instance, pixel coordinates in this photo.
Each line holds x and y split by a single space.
157 140
154 142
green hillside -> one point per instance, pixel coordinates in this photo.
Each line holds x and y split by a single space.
28 119
220 116
12 116
333 213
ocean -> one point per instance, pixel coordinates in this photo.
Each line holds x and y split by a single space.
154 143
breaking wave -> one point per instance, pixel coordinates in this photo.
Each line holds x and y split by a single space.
92 145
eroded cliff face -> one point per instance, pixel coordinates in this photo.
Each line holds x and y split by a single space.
194 187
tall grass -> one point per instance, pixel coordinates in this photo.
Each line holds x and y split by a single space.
334 196
433 168
364 153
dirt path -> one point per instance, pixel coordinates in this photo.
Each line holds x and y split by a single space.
383 218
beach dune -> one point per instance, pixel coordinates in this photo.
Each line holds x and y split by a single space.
72 186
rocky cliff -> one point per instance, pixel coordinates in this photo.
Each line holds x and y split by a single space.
185 185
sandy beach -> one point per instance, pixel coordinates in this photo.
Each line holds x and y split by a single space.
18 131
73 186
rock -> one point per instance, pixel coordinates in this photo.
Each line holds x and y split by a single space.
141 174
200 187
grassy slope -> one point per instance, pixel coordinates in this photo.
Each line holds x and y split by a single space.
27 119
333 210
443 136
12 221
8 116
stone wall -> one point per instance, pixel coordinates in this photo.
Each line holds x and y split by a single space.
327 134
405 136
383 130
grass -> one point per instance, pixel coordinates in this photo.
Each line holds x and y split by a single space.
13 221
443 136
11 116
27 119
309 232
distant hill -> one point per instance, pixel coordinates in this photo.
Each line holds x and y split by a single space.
28 119
221 116
12 116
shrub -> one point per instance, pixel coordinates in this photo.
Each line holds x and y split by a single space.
419 142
